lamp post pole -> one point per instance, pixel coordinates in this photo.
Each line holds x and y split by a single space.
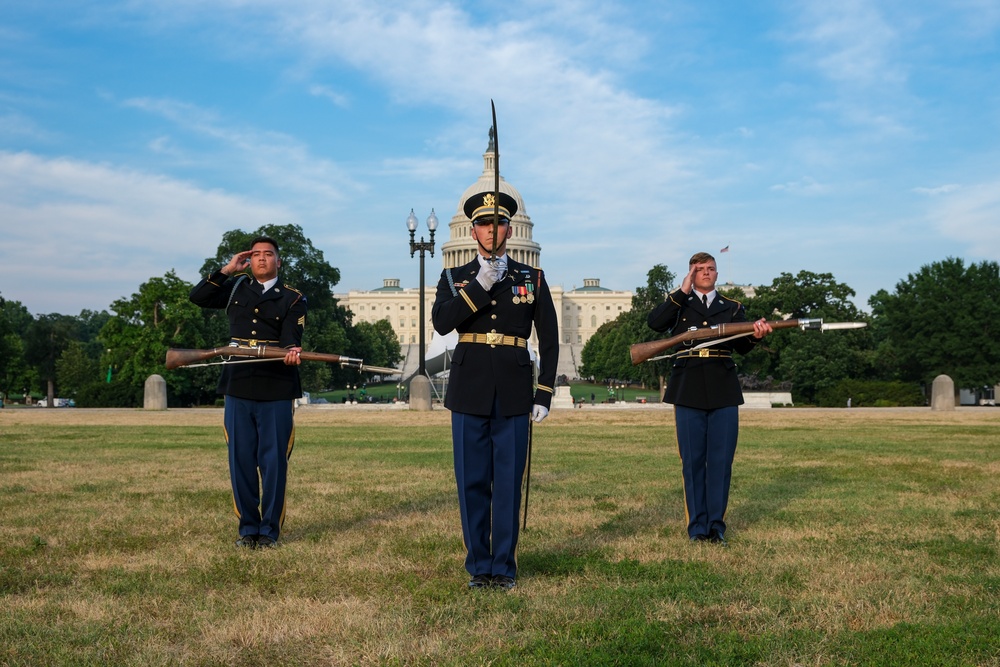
420 394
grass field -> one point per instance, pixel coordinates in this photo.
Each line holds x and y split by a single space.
857 537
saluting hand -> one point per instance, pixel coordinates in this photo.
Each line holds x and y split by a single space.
688 281
238 263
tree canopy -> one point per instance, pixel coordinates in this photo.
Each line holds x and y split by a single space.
943 319
606 355
809 361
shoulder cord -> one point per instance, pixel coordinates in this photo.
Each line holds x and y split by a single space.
241 278
451 282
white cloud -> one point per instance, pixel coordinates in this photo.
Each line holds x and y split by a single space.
277 159
76 227
849 42
939 190
804 186
337 98
971 215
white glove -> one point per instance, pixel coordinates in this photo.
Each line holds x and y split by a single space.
487 276
539 412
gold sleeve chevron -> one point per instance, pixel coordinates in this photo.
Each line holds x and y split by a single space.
468 300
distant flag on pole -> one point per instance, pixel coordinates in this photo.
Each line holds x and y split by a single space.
726 249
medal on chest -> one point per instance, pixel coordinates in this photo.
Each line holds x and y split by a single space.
523 293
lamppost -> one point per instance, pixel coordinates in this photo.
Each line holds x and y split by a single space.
420 386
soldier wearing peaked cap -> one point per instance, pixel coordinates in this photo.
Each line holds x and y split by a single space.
492 393
705 390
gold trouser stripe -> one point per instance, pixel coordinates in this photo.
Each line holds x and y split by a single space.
493 339
236 508
288 455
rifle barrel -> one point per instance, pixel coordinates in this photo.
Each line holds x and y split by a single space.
640 352
181 357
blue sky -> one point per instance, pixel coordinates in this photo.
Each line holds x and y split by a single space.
857 138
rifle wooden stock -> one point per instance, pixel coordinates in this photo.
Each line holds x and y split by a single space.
641 352
180 357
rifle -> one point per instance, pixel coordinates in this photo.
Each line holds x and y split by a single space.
641 352
178 357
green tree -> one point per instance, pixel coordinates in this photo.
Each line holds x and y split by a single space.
377 343
606 355
75 369
47 337
942 319
810 361
157 317
328 324
16 375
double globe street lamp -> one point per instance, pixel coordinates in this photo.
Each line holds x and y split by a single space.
420 385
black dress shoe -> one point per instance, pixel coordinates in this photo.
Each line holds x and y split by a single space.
699 538
481 581
718 538
265 542
247 542
504 582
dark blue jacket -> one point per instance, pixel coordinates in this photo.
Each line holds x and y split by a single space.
276 319
709 382
479 370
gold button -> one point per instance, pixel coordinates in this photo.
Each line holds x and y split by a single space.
493 303
255 321
493 316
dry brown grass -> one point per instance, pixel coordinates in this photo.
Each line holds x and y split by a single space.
855 533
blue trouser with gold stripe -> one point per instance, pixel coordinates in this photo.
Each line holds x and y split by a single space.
260 435
490 457
706 441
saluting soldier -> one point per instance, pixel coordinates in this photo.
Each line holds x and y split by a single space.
492 392
258 415
705 389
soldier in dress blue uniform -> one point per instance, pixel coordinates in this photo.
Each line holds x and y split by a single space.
492 393
705 390
259 396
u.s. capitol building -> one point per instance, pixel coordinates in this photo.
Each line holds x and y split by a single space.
580 310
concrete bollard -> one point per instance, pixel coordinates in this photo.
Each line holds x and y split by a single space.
155 393
420 393
943 393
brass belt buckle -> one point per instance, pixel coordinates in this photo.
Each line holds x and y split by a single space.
703 353
494 339
252 342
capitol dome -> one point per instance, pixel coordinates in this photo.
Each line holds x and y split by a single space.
461 248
